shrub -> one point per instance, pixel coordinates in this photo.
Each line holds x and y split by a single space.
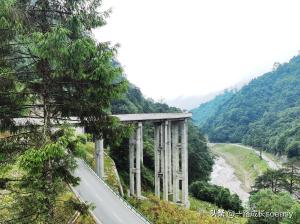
267 201
217 195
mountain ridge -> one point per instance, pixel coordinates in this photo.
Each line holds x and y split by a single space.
265 113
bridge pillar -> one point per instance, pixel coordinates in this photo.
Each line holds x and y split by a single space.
169 150
184 161
175 161
171 160
135 148
99 156
157 160
165 160
170 157
162 154
131 164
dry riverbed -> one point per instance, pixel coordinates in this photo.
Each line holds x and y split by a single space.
237 166
223 175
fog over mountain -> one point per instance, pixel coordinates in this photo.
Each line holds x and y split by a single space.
191 102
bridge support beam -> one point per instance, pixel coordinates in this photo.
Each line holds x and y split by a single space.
99 156
175 161
157 160
184 161
163 159
171 161
135 157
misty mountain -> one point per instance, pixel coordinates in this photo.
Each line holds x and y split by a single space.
265 113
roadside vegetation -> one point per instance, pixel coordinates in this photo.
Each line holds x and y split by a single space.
66 209
162 212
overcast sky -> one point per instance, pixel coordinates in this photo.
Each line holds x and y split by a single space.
172 48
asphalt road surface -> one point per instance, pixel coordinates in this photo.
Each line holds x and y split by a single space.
109 208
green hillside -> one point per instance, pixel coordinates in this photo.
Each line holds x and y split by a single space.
206 110
265 113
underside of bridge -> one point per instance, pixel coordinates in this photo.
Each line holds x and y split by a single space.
170 150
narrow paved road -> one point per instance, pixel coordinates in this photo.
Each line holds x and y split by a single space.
109 208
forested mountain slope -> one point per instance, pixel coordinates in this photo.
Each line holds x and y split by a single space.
206 110
265 113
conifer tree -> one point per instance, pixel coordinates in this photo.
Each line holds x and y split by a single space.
51 69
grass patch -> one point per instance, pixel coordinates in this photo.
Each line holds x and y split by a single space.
201 206
246 162
162 212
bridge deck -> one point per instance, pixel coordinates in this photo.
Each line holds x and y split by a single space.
152 116
122 117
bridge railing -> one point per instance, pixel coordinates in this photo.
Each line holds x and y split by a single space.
125 203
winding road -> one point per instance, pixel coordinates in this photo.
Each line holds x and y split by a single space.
109 208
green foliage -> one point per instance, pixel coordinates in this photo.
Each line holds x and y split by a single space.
134 102
217 195
200 161
265 113
285 179
295 210
272 179
291 172
207 110
52 69
162 212
293 149
267 201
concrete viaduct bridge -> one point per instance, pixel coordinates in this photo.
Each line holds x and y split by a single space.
170 150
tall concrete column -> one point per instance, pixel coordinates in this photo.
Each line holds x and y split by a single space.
142 144
184 152
138 159
169 149
175 161
157 152
135 145
99 157
165 161
131 165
